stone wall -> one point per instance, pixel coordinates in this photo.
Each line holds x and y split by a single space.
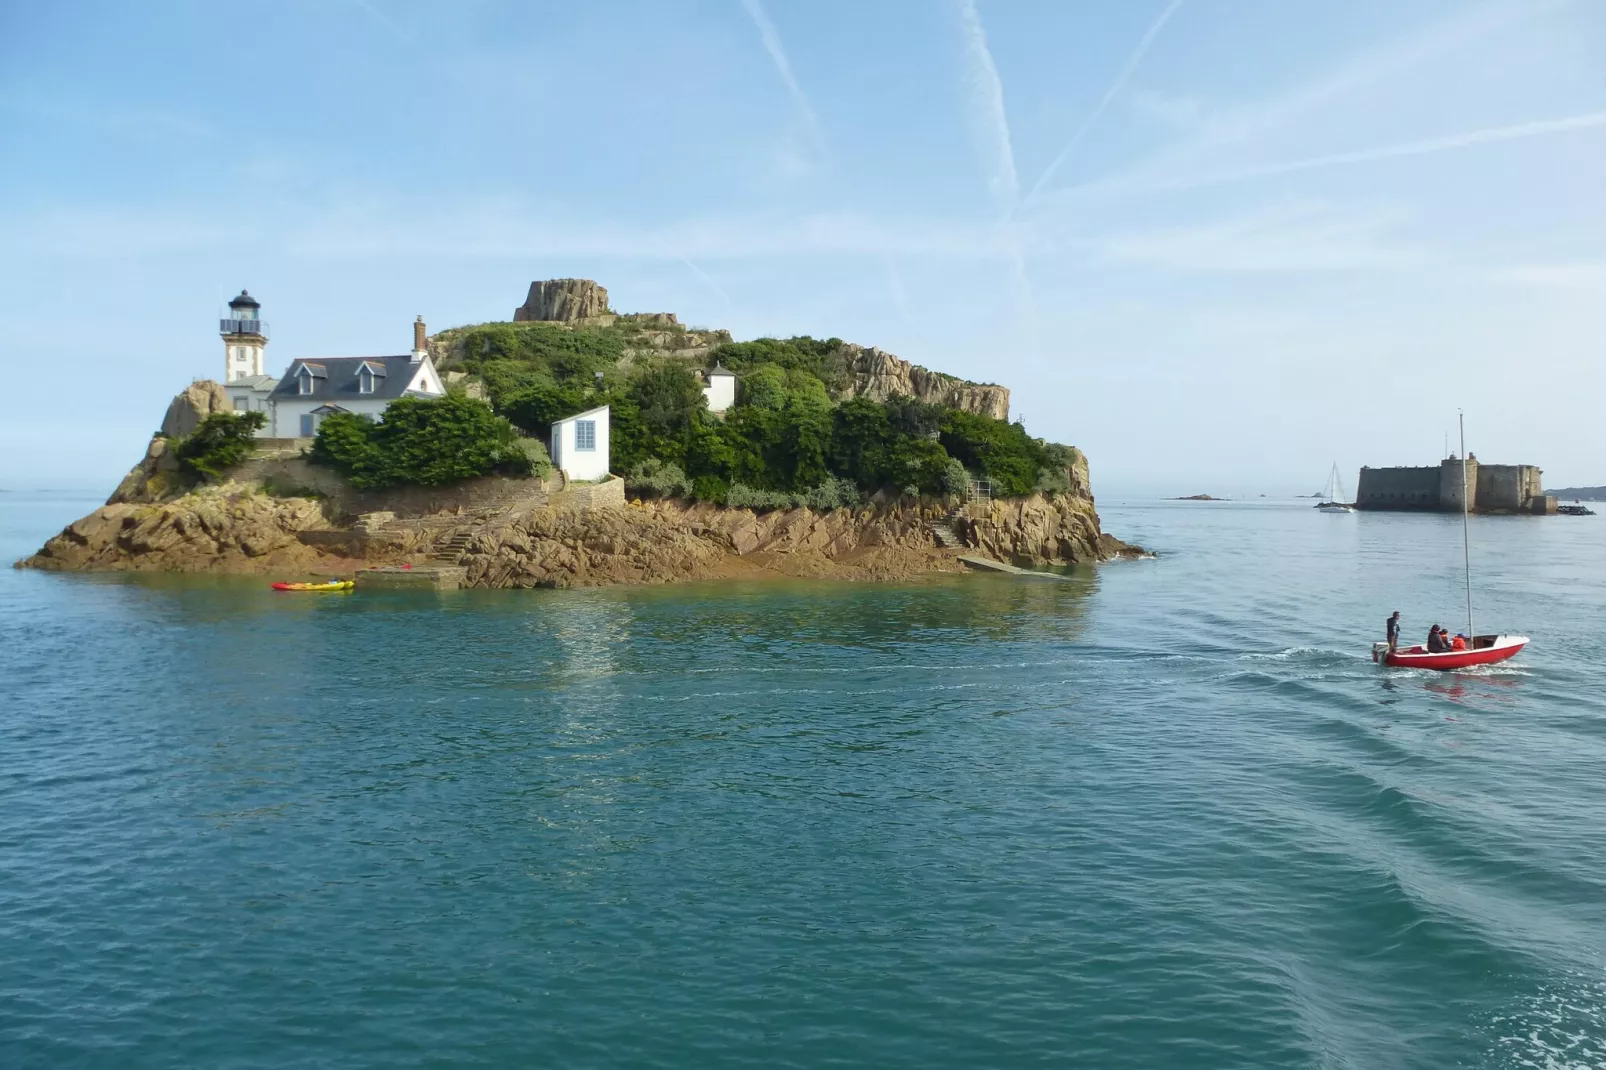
609 494
1398 488
342 501
1495 488
1510 488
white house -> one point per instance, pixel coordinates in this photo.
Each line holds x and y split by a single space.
721 388
580 444
313 388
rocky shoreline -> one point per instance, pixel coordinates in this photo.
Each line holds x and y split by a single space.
524 533
237 528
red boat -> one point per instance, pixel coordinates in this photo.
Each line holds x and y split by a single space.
1485 650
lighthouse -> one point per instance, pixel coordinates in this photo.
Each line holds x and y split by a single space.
245 336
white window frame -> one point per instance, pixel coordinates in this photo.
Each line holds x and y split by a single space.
365 380
304 382
589 427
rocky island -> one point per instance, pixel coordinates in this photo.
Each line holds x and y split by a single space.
828 459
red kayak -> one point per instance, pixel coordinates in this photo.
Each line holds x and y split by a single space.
1485 650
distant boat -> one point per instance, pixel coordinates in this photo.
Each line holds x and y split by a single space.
1331 494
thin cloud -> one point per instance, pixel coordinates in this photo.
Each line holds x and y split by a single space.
1468 139
1359 71
494 228
1370 66
1121 78
1295 236
783 66
1568 276
103 115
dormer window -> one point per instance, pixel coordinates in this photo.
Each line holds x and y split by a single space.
365 381
304 382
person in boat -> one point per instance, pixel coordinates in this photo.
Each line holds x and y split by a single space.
1437 644
1459 642
1393 627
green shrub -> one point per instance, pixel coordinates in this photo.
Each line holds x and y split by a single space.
741 496
1004 452
220 442
955 480
764 387
710 489
562 351
653 478
289 490
833 493
668 396
820 358
535 408
535 452
422 441
917 465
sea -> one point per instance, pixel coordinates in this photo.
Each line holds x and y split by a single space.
1158 813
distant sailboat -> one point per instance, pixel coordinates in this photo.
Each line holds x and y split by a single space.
1332 493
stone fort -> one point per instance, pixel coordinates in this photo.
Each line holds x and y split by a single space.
1495 488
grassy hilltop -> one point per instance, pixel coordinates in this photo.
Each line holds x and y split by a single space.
796 433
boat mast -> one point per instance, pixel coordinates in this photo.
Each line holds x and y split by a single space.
1466 539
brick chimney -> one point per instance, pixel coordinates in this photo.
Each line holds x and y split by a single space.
420 347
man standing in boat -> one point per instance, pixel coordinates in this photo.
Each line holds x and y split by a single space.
1394 631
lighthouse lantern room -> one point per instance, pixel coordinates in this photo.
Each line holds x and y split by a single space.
245 336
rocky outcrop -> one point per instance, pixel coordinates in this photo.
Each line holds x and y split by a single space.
668 542
1034 531
878 375
651 320
216 529
193 404
153 479
156 477
562 301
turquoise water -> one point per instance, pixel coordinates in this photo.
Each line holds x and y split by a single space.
1162 814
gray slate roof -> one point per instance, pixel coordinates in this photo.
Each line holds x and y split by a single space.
255 382
334 379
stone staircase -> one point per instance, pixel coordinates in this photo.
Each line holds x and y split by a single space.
942 529
452 550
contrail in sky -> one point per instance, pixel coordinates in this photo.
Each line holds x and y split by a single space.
708 280
990 127
989 121
1110 94
900 296
783 66
1486 136
388 24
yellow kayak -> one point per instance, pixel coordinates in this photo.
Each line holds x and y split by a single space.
332 585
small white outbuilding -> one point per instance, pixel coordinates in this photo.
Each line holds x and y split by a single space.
580 444
721 388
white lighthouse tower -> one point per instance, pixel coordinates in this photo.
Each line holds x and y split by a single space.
245 336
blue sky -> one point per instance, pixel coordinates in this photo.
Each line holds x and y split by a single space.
1216 243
